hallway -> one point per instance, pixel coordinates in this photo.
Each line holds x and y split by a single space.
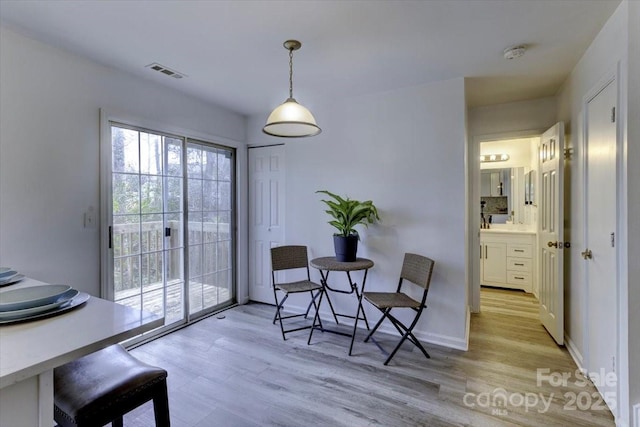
513 351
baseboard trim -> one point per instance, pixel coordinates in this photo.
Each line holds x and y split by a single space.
574 352
443 340
467 333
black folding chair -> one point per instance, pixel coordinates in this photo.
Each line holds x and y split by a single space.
289 258
416 269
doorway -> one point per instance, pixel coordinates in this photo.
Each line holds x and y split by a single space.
503 195
521 251
600 254
266 216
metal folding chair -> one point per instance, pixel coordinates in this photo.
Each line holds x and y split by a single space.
416 269
289 258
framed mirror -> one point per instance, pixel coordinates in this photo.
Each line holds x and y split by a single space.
504 193
529 188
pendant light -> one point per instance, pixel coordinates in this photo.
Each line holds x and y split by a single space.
290 119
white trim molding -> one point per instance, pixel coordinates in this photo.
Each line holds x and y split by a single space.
636 415
437 339
573 351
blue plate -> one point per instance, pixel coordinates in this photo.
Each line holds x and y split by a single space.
11 279
26 312
6 272
69 305
33 296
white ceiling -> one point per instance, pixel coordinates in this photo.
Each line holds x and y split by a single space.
232 51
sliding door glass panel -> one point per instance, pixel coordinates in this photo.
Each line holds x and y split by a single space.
174 229
147 233
209 171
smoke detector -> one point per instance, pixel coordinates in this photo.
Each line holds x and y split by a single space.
514 52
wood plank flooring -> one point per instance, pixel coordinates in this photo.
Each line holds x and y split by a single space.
237 371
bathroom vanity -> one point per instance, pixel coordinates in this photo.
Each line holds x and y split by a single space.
508 259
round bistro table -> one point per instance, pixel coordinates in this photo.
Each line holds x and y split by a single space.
328 264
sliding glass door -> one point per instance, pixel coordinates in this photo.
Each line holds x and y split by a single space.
209 172
171 224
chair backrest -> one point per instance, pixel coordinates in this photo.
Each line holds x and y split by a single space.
417 269
287 257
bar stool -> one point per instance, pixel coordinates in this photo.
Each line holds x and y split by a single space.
101 387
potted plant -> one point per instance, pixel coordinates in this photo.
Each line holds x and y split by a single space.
347 214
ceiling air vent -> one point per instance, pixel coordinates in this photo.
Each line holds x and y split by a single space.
167 71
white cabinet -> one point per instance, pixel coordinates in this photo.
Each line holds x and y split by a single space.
507 260
494 262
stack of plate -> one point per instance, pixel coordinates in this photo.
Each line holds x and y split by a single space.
37 301
9 276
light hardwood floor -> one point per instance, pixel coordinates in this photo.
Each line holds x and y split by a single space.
237 371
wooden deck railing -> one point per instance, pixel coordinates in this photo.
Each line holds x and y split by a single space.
139 257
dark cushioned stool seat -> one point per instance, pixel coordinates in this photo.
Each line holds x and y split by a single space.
103 386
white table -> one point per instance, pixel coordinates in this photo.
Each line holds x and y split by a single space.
30 351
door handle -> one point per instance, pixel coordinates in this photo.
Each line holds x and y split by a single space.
552 244
587 254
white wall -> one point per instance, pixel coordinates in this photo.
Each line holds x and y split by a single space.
632 144
536 114
599 59
609 48
403 149
49 162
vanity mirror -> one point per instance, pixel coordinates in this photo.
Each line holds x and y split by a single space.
503 191
529 187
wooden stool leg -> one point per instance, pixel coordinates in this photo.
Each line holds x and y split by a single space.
161 405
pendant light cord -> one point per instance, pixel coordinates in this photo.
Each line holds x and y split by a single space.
291 73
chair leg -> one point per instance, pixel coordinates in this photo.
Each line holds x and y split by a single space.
408 332
279 306
316 316
393 353
117 422
417 343
317 306
375 328
278 314
161 405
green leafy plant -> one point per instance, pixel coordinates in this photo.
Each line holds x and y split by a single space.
348 213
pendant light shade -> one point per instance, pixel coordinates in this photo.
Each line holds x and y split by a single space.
290 119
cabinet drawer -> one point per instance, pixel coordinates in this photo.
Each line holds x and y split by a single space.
518 278
519 264
522 251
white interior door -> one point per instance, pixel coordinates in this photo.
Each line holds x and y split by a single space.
266 215
600 254
551 231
